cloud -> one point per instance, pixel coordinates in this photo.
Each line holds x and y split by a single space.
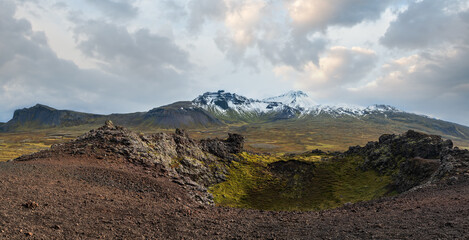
432 77
242 22
138 71
434 83
291 32
320 14
254 30
295 52
138 54
174 10
339 68
30 70
201 11
115 9
145 53
428 23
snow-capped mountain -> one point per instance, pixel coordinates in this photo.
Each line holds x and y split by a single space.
294 99
352 110
214 109
222 101
290 104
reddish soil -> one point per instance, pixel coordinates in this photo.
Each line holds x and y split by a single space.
67 197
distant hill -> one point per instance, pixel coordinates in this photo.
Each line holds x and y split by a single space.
181 114
292 116
42 116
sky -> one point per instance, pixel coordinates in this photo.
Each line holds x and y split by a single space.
117 56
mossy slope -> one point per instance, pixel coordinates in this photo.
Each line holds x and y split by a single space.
323 184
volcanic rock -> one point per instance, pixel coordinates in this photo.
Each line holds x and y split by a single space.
224 148
195 164
413 158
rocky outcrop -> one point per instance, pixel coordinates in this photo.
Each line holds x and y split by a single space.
413 159
386 154
224 148
187 161
414 171
454 165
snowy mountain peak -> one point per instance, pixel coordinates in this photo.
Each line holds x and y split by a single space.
221 99
294 99
289 104
382 108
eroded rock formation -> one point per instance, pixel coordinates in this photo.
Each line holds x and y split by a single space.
414 158
197 164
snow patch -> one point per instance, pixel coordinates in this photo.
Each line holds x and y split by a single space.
222 101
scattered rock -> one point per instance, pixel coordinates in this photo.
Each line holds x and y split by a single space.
30 205
108 124
317 151
179 181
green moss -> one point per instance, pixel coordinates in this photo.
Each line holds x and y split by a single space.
176 162
244 176
329 184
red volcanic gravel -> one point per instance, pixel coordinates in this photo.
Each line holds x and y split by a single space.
70 197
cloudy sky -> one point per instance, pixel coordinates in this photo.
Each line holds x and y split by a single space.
107 56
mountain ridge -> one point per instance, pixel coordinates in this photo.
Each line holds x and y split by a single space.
296 102
293 99
179 114
294 111
43 116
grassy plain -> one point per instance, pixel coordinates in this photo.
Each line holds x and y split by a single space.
13 145
286 136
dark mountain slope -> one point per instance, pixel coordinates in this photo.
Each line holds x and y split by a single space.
41 116
425 123
180 115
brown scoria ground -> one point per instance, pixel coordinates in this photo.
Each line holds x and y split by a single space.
70 197
114 184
